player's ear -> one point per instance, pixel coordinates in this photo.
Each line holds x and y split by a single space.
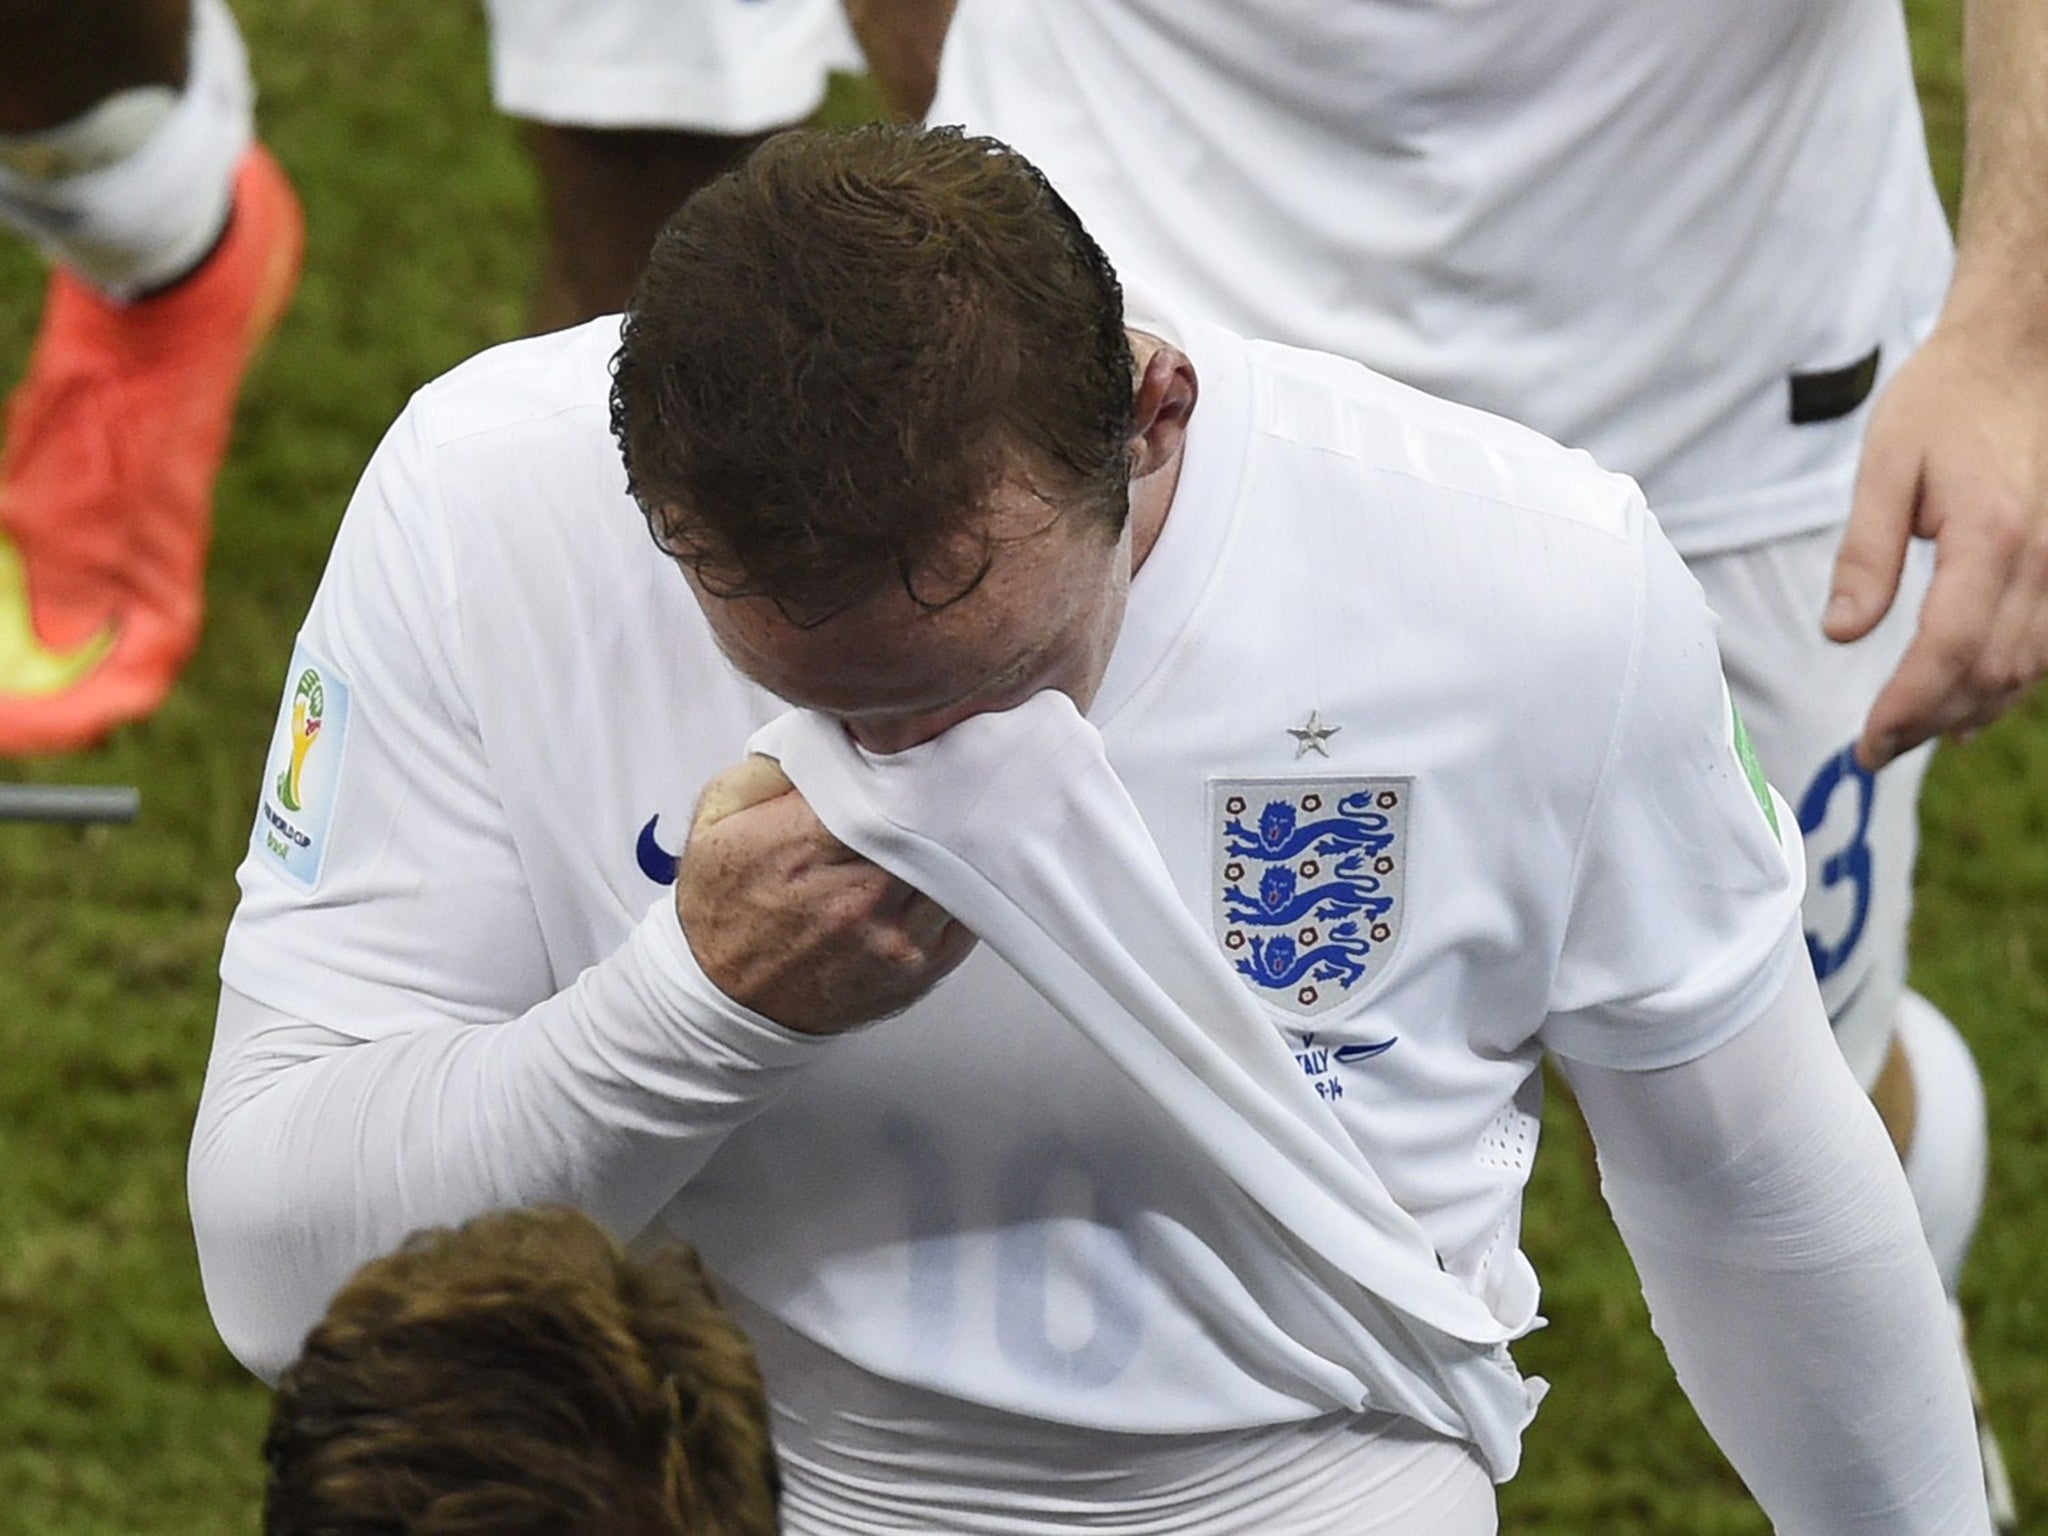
1165 399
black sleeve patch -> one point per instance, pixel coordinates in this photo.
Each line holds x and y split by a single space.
1831 395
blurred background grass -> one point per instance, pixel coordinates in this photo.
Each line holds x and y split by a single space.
120 1412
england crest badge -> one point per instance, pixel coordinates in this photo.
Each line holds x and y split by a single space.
1307 887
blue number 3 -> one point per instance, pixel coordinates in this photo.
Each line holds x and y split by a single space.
1851 863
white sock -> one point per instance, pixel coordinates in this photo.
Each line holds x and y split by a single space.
1945 1163
132 194
105 135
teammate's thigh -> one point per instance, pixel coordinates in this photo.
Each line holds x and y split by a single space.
713 66
1804 700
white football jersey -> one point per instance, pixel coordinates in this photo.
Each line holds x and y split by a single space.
1420 709
1686 237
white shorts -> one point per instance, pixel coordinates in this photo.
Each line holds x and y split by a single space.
715 66
1804 699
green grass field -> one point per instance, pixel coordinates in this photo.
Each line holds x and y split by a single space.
120 1412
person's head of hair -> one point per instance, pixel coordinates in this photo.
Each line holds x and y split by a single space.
516 1376
838 350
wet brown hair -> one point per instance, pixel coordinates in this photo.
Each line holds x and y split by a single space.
516 1376
838 350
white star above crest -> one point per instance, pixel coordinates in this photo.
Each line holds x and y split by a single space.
1310 737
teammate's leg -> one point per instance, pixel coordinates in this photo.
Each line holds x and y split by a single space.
606 193
1945 1168
64 57
125 155
631 105
902 41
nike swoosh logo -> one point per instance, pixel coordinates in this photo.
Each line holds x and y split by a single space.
1364 1052
656 862
28 668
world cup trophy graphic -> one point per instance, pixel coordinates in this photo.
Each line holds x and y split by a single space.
309 703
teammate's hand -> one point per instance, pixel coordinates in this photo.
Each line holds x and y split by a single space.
787 920
1957 452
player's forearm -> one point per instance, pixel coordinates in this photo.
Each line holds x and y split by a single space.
2001 285
1788 1278
314 1152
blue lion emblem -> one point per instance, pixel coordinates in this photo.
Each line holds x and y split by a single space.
1280 835
1279 962
1283 899
1308 895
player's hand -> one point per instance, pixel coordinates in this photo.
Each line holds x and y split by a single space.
787 920
1957 452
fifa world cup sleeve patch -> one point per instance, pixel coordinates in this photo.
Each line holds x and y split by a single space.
302 775
1752 770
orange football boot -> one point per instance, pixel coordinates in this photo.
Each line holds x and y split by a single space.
113 442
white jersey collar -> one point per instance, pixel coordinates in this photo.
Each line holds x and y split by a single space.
1167 593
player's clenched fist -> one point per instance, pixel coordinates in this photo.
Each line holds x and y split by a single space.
786 919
